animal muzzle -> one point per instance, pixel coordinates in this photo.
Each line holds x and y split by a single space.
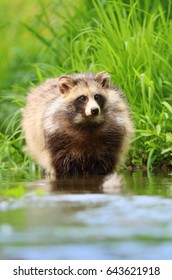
92 109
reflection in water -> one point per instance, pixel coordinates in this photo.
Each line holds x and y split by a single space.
111 183
98 218
132 183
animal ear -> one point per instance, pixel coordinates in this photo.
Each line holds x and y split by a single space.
65 83
103 79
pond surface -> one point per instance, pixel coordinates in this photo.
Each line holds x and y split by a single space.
87 219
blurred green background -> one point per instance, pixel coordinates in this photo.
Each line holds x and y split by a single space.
132 40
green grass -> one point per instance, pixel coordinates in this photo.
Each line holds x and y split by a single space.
130 39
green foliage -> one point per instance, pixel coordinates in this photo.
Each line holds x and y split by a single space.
13 191
129 39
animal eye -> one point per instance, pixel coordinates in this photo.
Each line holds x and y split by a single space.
82 98
98 97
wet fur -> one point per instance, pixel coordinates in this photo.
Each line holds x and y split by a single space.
65 138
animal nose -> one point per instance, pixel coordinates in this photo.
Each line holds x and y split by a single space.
94 111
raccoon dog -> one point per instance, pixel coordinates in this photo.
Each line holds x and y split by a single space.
77 125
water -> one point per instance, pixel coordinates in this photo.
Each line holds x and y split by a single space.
87 219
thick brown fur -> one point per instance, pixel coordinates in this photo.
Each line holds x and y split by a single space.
77 125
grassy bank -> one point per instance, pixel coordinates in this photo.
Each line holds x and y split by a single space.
129 39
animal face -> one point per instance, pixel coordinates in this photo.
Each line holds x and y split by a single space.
85 99
86 108
90 105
